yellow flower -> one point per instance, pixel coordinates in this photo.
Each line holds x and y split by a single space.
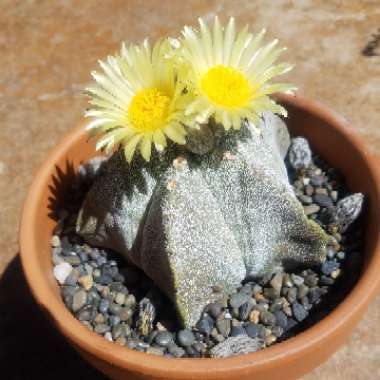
230 74
137 100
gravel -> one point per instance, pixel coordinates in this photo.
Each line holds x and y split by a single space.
117 300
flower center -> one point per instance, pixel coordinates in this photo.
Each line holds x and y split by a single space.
226 86
148 109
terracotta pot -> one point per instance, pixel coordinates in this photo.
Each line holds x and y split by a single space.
332 139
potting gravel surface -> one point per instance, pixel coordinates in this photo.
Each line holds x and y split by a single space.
120 302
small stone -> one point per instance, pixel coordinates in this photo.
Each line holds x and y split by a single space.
291 324
118 331
299 312
326 280
292 295
323 200
267 318
130 301
311 209
205 325
335 274
270 340
102 328
238 299
115 309
120 298
185 338
311 280
341 255
108 336
104 305
254 316
252 330
305 199
317 180
147 314
125 314
334 196
348 209
236 346
297 280
73 260
155 351
214 309
276 282
299 153
79 300
224 327
309 190
329 266
303 290
281 319
86 281
245 310
238 330
55 241
277 331
61 272
87 313
163 338
100 318
176 351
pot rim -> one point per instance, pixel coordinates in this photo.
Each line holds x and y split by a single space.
139 362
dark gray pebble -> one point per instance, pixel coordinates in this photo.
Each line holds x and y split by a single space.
244 310
205 325
185 338
323 200
224 327
214 309
176 351
299 312
281 319
163 338
238 299
252 330
292 295
302 291
317 180
238 330
103 305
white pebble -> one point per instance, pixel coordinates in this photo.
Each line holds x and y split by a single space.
108 336
61 271
55 241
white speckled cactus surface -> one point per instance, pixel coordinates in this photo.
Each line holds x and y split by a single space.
194 223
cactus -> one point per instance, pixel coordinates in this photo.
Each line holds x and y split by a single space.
196 222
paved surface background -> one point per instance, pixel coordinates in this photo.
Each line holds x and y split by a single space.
47 49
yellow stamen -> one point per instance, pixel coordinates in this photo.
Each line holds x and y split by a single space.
226 86
148 110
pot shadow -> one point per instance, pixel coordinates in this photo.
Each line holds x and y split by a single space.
30 348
